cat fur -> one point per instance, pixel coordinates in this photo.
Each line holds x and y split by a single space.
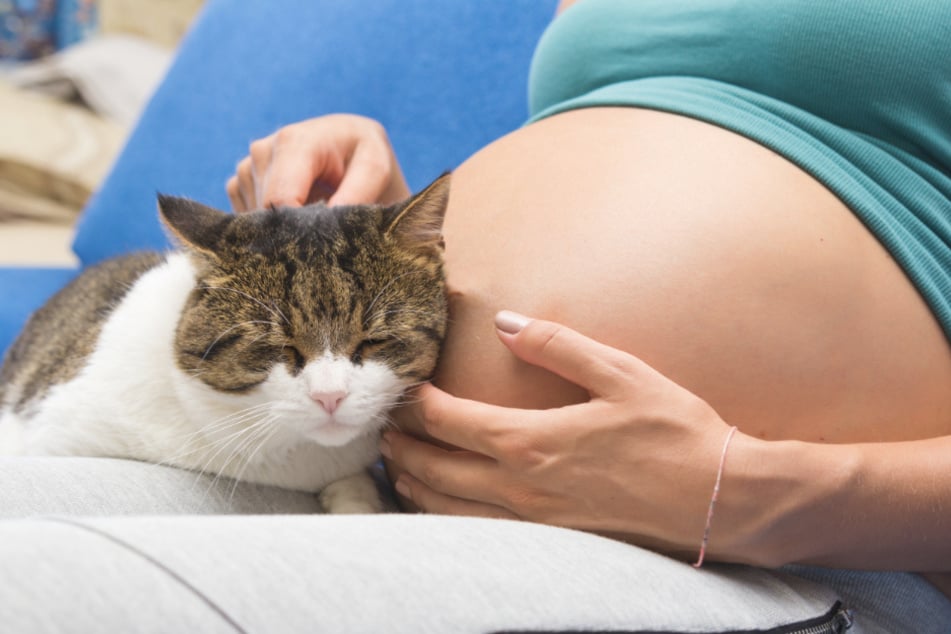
269 348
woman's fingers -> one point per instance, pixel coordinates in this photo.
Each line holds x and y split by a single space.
243 187
612 464
234 194
521 438
598 368
296 162
260 152
454 473
346 156
365 179
372 172
432 501
279 171
496 432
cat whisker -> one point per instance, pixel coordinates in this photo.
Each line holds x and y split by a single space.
234 437
265 334
232 443
231 419
176 409
414 384
406 389
235 419
260 433
180 460
406 402
250 457
384 422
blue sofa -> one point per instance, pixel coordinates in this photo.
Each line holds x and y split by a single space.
445 78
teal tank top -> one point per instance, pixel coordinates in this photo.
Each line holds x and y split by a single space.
855 92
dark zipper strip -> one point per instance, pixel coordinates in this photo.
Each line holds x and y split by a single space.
835 621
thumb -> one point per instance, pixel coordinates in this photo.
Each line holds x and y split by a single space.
598 368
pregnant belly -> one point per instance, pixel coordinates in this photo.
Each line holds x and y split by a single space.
710 257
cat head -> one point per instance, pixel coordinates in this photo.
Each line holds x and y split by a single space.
319 316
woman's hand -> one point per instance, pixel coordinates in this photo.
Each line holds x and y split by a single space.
344 158
637 461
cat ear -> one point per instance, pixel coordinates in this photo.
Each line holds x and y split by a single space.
418 221
194 225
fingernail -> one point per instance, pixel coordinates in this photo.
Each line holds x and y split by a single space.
385 448
403 489
511 322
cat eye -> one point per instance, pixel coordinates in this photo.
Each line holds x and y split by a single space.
365 346
295 359
216 347
239 388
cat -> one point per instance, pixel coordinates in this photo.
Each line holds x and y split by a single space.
268 348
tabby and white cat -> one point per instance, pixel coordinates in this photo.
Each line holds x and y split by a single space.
268 349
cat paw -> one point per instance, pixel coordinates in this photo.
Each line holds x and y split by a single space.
356 494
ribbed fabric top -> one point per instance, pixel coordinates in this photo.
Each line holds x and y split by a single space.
855 92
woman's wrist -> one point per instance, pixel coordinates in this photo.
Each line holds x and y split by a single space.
867 506
780 500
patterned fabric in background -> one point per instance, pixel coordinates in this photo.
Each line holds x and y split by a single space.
33 28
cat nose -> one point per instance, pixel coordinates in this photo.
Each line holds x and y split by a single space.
329 401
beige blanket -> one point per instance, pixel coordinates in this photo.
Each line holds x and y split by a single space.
52 155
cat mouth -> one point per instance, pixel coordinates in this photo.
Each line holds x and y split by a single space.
332 432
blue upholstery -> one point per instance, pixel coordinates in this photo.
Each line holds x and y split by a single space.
445 78
23 290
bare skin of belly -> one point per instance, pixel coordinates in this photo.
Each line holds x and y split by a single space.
712 258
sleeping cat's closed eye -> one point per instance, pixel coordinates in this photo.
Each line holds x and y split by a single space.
295 360
365 347
240 388
213 349
269 349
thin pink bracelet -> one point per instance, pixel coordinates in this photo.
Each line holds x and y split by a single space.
713 498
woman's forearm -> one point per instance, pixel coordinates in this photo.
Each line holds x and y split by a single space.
882 506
